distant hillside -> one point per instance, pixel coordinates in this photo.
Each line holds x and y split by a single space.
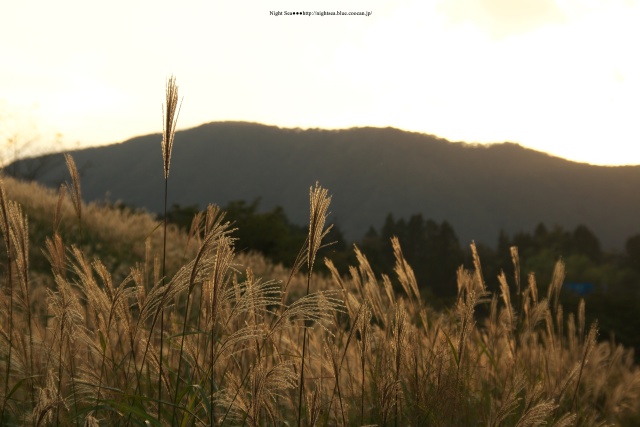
370 172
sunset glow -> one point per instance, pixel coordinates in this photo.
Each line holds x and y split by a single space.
560 76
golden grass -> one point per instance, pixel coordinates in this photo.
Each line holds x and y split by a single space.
85 344
376 354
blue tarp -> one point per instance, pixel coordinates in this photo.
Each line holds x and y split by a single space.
580 288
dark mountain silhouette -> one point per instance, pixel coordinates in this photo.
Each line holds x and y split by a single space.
371 172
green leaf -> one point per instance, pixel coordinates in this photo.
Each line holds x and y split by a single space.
103 344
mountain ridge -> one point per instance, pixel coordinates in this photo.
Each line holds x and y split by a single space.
479 189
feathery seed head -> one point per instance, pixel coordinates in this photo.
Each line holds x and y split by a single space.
74 187
169 121
319 201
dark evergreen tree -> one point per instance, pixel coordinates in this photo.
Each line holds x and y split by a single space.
585 242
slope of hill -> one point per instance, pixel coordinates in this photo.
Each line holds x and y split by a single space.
119 237
370 172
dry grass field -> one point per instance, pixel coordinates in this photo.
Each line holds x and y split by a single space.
100 336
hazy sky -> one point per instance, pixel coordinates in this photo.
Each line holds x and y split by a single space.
561 76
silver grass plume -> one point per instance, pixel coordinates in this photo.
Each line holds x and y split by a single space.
74 187
318 212
169 121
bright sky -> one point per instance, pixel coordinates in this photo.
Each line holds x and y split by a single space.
561 76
